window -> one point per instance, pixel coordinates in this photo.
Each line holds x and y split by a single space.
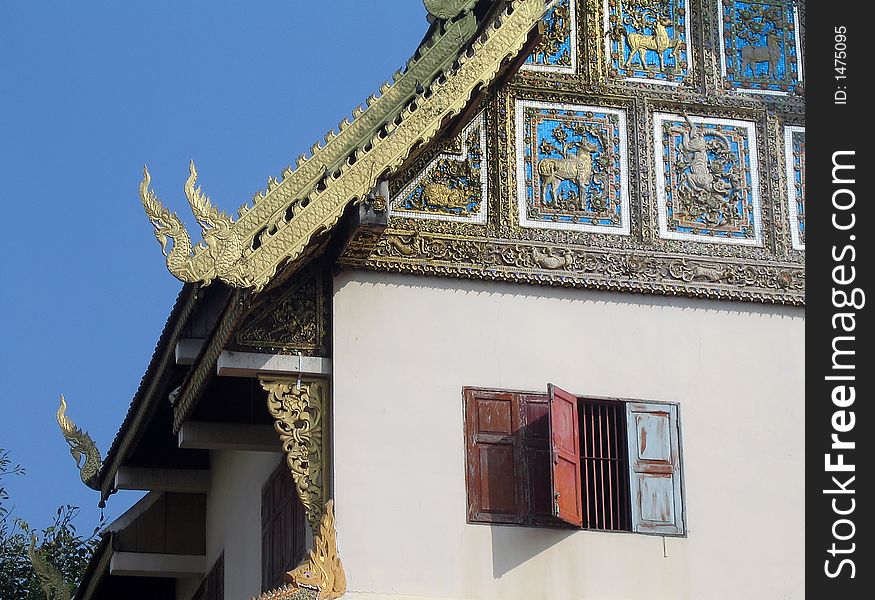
213 585
556 459
282 527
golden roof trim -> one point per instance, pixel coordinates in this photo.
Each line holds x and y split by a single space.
311 197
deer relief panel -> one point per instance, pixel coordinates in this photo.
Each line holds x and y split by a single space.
557 49
707 181
648 40
760 43
572 168
453 186
794 149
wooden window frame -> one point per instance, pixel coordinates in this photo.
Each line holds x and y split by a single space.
283 527
527 439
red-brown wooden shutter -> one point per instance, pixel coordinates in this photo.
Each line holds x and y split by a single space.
565 451
282 527
494 457
536 434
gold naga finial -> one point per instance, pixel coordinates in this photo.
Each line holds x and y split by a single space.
448 9
81 446
50 578
220 253
310 198
322 570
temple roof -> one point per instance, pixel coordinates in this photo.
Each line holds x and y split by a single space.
459 55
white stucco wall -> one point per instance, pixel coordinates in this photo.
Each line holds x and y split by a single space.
234 517
403 348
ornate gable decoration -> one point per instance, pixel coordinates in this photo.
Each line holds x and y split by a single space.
794 149
760 46
648 40
557 50
571 167
293 318
707 179
453 186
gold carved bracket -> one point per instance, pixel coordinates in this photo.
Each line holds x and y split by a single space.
298 408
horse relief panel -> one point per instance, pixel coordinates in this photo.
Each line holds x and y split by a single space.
572 167
707 182
648 40
794 149
453 186
557 49
761 46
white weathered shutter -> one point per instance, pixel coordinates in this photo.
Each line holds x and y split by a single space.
655 468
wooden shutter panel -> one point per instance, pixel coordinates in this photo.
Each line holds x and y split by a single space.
535 425
655 471
565 451
494 457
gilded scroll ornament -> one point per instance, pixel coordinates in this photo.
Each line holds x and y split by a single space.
299 409
82 447
51 581
312 197
292 318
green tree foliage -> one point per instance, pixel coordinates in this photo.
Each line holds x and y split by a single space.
59 544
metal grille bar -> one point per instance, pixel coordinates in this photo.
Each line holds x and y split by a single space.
605 466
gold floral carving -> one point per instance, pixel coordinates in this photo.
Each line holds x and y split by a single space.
311 198
298 409
82 447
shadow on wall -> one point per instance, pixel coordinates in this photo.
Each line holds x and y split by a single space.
513 546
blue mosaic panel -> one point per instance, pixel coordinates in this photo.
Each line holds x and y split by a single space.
794 147
557 50
453 187
760 40
571 167
707 180
648 40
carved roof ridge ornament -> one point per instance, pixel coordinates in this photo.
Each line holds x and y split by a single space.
448 9
311 198
81 446
50 578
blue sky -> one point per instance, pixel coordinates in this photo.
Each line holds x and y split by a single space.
90 91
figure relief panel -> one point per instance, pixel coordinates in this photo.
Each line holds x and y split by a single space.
794 149
760 46
556 52
453 186
648 40
571 167
707 181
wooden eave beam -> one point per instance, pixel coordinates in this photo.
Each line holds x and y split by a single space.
252 364
193 481
144 564
202 435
